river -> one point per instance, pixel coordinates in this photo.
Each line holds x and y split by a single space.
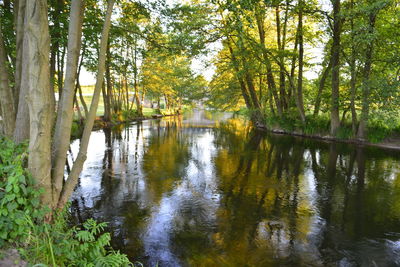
207 189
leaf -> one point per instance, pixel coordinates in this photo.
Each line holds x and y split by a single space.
23 188
12 206
10 197
22 179
9 187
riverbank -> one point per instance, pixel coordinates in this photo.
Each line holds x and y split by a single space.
318 128
392 143
121 119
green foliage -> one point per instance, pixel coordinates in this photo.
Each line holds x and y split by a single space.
378 128
59 245
378 131
129 114
18 196
76 129
316 125
345 132
23 221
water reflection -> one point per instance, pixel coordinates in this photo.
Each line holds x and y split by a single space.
208 190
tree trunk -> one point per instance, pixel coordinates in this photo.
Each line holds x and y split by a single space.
107 100
37 43
78 109
281 47
353 75
252 90
22 124
62 134
138 103
78 164
82 99
299 96
270 76
19 50
54 50
335 54
6 95
293 67
60 74
362 127
321 86
243 88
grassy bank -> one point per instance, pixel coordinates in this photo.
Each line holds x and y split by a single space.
124 117
23 223
378 131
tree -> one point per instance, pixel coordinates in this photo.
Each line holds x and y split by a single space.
335 59
47 155
6 96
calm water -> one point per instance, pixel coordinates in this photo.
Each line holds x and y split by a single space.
208 190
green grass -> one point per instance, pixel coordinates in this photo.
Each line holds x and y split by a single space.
100 108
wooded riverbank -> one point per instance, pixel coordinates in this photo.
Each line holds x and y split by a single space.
391 143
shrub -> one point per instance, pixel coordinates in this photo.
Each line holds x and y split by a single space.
18 196
23 223
57 244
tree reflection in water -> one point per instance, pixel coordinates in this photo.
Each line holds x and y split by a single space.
208 191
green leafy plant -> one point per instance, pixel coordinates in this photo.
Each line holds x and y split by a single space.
18 196
57 244
23 223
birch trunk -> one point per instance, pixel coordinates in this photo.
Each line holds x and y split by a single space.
78 164
65 112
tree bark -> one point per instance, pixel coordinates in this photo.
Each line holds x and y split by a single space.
362 127
243 88
62 134
54 50
107 100
20 20
281 39
22 124
293 67
6 95
299 95
82 99
270 76
78 164
321 86
353 75
335 54
37 42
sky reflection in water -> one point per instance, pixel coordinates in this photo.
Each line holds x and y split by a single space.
208 190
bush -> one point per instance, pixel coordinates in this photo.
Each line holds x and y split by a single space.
57 244
76 129
378 131
18 196
23 223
